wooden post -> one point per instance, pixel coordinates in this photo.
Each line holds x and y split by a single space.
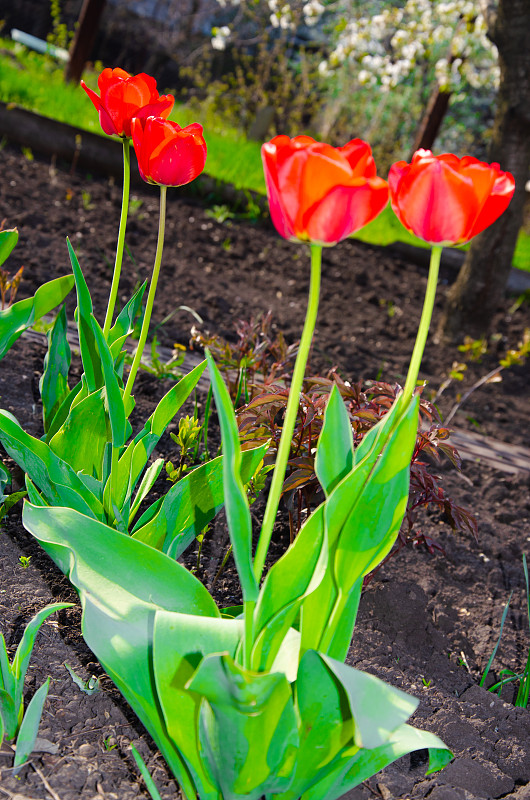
85 35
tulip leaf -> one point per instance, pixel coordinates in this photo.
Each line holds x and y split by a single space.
122 584
334 459
29 727
255 713
114 406
21 315
180 643
64 409
53 476
294 576
175 520
87 344
236 502
8 240
132 462
124 324
363 514
53 384
81 439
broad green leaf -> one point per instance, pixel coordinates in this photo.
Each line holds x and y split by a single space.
53 384
352 768
334 457
377 708
236 503
363 514
82 437
53 476
7 679
255 714
29 726
177 519
98 559
325 728
376 513
64 409
2 726
134 460
296 574
87 345
8 240
181 641
114 406
21 315
122 583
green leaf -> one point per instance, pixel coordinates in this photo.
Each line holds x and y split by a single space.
176 520
53 384
81 439
8 240
334 458
122 583
29 727
363 514
236 503
114 406
133 461
89 352
294 576
53 476
377 708
181 642
150 476
9 714
255 714
25 648
61 415
21 315
5 480
124 324
149 782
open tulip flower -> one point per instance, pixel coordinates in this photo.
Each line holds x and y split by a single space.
167 154
448 200
125 96
318 193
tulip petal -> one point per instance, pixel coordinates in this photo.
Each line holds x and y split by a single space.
345 210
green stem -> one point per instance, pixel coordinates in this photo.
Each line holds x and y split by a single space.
425 321
291 412
121 237
150 298
248 612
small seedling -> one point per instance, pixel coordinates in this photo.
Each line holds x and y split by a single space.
91 686
426 683
109 744
15 723
24 561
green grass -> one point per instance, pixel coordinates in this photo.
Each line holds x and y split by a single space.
35 82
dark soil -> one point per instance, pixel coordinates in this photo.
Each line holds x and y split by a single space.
427 623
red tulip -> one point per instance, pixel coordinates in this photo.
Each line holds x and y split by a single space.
448 200
168 154
318 193
125 96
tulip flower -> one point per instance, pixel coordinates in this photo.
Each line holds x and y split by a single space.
448 200
125 96
318 193
167 154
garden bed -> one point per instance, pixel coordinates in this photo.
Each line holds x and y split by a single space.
427 623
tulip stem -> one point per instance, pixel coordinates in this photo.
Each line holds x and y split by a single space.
425 321
293 405
150 298
121 237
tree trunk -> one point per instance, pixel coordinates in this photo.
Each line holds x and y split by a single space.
85 35
480 287
432 120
